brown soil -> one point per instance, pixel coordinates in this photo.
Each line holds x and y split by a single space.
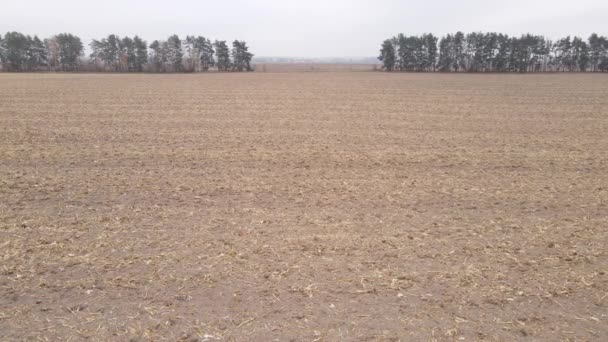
304 207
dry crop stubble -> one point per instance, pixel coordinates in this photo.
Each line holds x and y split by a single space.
303 206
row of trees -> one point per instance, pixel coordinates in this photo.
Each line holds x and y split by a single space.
65 52
493 52
19 52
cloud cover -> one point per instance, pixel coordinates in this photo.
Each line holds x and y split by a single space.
312 28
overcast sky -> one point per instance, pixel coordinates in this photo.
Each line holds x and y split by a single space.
303 28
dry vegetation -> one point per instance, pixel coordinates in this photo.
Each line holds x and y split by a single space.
304 207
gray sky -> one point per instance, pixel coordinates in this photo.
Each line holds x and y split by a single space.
303 28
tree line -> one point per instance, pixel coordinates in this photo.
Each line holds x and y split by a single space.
65 52
494 52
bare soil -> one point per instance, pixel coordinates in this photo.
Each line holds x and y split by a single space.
304 207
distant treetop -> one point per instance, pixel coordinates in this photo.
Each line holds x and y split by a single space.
65 52
493 52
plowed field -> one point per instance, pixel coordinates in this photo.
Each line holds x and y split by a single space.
304 207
